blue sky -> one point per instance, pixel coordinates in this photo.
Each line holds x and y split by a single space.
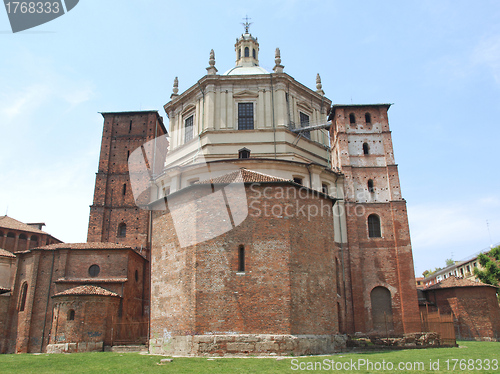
437 61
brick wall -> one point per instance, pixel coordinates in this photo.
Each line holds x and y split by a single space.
475 310
289 282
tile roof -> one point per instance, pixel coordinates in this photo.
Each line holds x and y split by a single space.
87 290
243 176
92 245
4 290
4 253
91 280
453 281
7 222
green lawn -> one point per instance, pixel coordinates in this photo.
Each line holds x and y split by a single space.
101 362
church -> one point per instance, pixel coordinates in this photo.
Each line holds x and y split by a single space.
265 220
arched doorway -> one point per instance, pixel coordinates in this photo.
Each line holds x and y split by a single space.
381 309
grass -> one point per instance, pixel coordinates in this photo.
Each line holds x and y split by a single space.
101 362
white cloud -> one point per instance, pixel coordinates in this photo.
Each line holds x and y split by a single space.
487 52
13 104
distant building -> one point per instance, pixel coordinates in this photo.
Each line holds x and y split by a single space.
419 282
16 236
460 269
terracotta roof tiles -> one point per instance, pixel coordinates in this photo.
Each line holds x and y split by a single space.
92 245
4 253
87 290
7 222
453 281
243 176
4 290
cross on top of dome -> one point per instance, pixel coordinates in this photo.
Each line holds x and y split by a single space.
246 24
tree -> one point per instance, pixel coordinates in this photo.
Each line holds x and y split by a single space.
428 273
449 262
489 261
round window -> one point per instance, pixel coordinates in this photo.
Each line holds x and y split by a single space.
94 270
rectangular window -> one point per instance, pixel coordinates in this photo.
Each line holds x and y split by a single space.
188 129
304 122
245 116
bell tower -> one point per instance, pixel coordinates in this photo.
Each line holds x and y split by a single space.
378 235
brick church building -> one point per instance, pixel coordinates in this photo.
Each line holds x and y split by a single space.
265 220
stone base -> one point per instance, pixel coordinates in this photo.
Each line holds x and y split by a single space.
248 344
75 347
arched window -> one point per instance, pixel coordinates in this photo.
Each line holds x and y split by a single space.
241 258
24 294
381 309
11 235
253 53
239 54
366 149
370 186
22 237
122 229
374 226
368 118
352 119
94 270
33 241
247 52
71 315
137 276
324 188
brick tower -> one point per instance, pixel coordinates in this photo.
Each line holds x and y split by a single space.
114 216
382 287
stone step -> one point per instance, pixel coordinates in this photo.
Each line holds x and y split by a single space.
126 348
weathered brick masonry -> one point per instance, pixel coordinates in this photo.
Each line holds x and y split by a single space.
288 286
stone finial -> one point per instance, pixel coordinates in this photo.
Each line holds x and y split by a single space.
175 90
211 70
278 68
211 61
319 86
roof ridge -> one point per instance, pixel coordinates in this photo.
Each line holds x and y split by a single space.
7 222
